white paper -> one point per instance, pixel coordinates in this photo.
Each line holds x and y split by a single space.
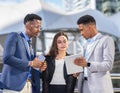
71 67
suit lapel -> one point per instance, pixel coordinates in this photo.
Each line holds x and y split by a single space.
94 46
25 44
92 49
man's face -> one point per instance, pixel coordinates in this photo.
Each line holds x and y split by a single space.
85 30
33 28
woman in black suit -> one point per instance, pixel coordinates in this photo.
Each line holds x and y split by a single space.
55 78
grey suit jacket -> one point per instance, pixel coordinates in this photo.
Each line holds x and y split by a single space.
101 58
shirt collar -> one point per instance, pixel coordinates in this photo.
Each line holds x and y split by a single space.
26 36
90 40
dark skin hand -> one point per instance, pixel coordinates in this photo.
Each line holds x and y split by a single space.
36 63
81 61
43 66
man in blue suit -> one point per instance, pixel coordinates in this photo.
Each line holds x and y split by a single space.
19 60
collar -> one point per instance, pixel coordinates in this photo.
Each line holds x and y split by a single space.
26 37
90 40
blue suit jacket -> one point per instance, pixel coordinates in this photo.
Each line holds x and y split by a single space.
16 58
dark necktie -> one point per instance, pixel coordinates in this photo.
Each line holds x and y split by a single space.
30 48
31 57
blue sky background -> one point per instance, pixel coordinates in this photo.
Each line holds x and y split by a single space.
53 1
56 3
13 1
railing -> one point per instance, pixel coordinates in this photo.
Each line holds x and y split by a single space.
116 76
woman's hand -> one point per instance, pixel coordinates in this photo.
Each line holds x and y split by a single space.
76 74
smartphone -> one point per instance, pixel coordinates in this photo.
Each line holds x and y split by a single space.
41 58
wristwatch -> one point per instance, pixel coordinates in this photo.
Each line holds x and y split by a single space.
88 64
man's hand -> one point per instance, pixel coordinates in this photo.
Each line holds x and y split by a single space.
36 63
80 62
43 67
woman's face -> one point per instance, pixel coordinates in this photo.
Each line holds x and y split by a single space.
62 43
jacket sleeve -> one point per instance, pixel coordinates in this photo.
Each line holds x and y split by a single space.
14 54
104 56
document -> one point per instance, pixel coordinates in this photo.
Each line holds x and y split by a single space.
71 67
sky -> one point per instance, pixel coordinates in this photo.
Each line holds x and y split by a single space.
13 1
56 3
8 2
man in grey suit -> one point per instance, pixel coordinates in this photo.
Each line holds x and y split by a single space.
19 60
98 58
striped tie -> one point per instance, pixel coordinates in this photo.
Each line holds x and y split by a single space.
30 48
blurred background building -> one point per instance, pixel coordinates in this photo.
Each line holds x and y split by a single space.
62 16
108 7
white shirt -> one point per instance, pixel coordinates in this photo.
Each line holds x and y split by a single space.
90 44
58 76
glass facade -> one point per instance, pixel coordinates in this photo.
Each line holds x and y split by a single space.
108 7
71 5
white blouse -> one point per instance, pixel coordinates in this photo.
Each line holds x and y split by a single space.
58 76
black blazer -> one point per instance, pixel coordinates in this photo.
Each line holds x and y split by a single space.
48 74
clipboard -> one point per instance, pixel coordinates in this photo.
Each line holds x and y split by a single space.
70 66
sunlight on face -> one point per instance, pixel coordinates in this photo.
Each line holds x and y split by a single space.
62 43
33 28
85 31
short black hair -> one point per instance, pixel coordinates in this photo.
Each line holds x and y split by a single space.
31 17
86 19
